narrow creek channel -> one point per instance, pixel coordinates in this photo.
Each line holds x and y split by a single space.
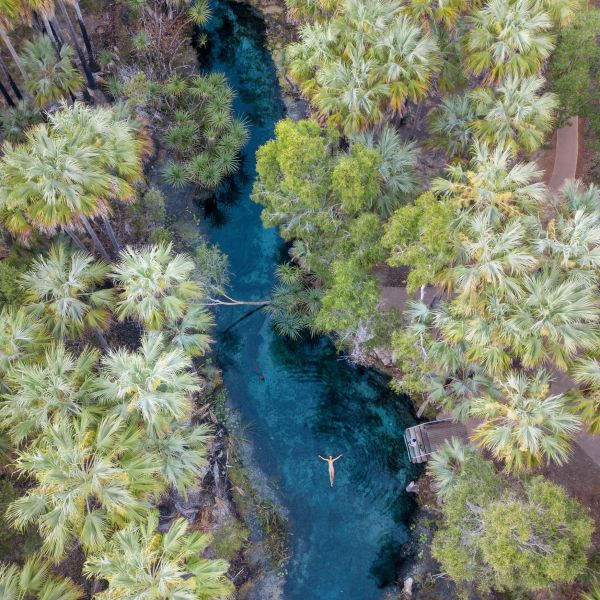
300 399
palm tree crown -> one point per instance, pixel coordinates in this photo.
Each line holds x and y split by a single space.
509 37
62 291
524 425
154 383
155 283
140 562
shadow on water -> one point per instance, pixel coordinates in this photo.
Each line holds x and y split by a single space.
300 398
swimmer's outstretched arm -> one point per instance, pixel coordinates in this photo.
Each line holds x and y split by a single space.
340 456
322 458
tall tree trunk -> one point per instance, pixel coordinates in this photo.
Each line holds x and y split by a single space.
11 81
51 37
57 31
102 340
88 74
6 95
75 239
99 245
110 232
94 66
13 52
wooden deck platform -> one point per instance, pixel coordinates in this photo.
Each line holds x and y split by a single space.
430 437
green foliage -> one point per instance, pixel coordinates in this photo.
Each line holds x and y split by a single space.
230 539
68 169
519 537
420 236
62 291
10 288
573 65
36 581
355 179
14 122
203 138
367 58
49 78
294 302
509 37
140 562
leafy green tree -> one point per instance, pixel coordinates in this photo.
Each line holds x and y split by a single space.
16 120
88 479
509 37
35 581
514 114
49 78
62 291
140 562
58 388
571 68
517 538
155 285
420 236
365 60
523 425
191 332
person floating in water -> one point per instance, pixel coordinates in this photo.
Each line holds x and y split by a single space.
330 461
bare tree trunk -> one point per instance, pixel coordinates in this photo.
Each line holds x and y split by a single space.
12 52
57 31
110 232
76 240
94 66
6 96
50 34
99 245
11 81
102 340
88 74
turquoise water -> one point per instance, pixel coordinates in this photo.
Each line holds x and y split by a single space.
301 398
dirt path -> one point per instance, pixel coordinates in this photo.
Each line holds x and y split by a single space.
566 154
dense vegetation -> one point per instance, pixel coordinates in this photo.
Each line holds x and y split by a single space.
415 160
513 267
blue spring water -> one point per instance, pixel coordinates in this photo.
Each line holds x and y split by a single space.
301 399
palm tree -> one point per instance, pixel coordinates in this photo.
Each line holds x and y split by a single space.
367 59
66 172
432 13
62 289
153 384
445 465
49 78
488 256
450 125
523 425
515 114
397 177
40 394
15 121
586 373
155 285
493 181
509 37
190 333
22 338
181 453
554 317
35 581
87 479
573 239
140 562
